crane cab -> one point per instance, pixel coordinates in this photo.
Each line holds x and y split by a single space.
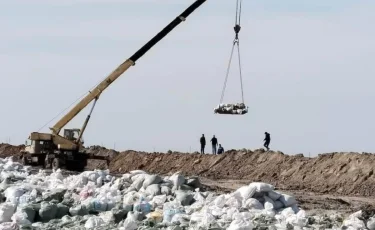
73 134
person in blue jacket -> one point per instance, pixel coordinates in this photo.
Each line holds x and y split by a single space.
220 149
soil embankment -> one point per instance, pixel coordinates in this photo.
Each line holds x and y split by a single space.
333 173
350 174
10 150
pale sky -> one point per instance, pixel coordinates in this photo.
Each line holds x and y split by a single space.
308 69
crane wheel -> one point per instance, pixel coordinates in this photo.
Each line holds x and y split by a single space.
24 160
56 163
45 164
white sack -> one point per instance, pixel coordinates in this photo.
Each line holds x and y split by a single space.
253 204
6 211
136 172
9 226
371 223
13 194
298 220
234 202
274 195
268 202
220 201
166 190
207 220
151 179
354 222
143 207
138 182
94 222
287 200
47 211
153 190
158 201
278 205
185 198
241 224
262 187
180 218
20 218
246 192
177 180
170 209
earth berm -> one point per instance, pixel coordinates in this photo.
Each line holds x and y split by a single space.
345 174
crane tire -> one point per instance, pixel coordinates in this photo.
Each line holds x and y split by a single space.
56 163
24 161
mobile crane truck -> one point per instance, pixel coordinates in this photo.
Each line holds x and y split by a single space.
52 150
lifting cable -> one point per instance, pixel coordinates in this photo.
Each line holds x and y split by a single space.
79 98
236 42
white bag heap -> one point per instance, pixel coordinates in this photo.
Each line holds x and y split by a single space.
137 200
239 108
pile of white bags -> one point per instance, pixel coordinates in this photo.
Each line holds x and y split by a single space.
239 108
97 200
243 207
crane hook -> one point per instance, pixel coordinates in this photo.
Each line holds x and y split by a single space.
237 30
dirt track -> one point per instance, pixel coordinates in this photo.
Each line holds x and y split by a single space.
334 181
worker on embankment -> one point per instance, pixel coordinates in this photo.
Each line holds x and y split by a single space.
203 143
214 144
220 150
267 140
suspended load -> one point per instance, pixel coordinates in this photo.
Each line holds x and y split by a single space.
235 108
239 108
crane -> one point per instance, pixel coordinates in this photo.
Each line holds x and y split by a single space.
53 150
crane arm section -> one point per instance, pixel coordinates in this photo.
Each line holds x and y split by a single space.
95 93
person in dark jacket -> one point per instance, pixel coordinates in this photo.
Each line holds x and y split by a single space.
267 140
214 144
220 150
203 143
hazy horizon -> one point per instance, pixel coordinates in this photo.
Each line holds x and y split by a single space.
307 68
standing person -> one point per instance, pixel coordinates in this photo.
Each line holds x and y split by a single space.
203 143
267 140
214 144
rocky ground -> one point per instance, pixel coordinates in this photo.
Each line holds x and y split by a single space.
341 182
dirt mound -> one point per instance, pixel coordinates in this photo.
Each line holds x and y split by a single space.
99 151
7 150
332 173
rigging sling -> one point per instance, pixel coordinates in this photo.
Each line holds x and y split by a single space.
238 108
